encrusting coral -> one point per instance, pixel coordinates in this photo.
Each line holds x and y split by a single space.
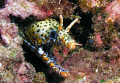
97 61
58 7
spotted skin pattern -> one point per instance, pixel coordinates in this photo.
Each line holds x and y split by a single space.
39 32
40 37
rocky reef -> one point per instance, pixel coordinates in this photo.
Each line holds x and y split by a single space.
96 61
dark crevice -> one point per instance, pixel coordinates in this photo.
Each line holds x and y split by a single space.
2 3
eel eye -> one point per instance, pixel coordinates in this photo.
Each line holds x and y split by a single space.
53 35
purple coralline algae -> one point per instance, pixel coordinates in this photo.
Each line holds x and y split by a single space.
96 61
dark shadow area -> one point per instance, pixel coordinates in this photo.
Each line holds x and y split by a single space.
81 31
2 3
22 23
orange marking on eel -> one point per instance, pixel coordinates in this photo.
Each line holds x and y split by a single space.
64 74
55 69
43 57
63 40
51 64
